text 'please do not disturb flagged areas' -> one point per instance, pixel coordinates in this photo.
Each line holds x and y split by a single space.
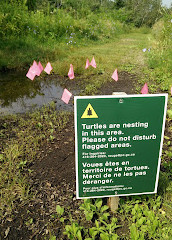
118 152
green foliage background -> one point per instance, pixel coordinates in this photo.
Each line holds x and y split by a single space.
26 25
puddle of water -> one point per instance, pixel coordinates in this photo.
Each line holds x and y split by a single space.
18 94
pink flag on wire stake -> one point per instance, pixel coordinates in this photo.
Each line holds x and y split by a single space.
35 68
87 64
32 71
93 63
71 72
40 68
31 74
115 75
144 89
48 68
66 96
34 64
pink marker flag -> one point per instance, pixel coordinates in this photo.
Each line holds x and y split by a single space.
32 71
144 89
40 68
71 72
48 68
93 63
66 96
115 75
35 68
31 74
34 64
171 91
87 64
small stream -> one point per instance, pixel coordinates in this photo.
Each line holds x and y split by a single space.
18 94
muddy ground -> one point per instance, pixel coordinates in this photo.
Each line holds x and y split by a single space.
53 182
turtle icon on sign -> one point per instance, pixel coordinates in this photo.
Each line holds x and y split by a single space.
89 112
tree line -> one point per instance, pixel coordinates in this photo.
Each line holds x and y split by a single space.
138 12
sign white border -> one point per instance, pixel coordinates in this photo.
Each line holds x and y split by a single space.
76 138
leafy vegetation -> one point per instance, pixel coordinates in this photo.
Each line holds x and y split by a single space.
46 30
142 214
145 12
160 56
41 34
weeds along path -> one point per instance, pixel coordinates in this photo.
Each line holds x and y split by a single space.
52 173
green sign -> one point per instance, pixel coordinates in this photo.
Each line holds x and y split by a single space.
118 144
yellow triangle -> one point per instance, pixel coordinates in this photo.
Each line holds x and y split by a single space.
89 112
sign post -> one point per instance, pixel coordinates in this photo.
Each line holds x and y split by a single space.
114 201
118 144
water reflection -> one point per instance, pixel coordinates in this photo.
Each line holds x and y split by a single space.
18 94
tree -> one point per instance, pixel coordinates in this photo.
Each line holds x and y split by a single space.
31 4
143 11
119 4
18 2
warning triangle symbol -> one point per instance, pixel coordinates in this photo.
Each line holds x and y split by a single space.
89 112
